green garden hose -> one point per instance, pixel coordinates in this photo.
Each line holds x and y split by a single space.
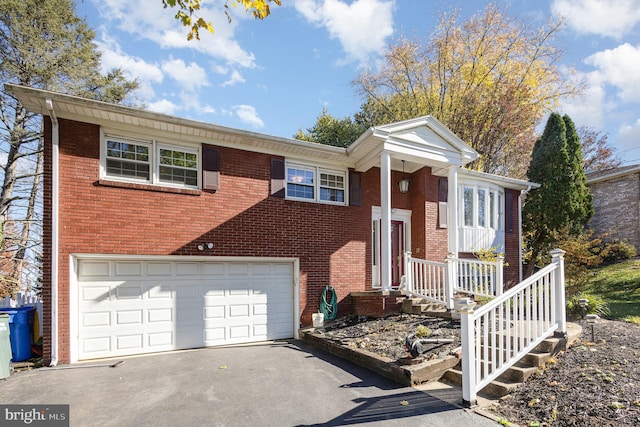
329 303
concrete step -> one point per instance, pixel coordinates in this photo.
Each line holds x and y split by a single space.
425 307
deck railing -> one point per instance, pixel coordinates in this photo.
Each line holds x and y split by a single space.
439 281
498 334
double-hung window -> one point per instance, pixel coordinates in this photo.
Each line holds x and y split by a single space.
316 184
177 166
150 162
128 159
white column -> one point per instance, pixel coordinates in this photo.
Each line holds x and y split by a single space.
452 207
385 220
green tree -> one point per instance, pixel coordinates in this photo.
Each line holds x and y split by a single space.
490 79
580 200
329 130
560 203
43 44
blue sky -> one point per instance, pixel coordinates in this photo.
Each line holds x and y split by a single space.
275 76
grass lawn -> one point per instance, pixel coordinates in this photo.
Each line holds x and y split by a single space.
619 285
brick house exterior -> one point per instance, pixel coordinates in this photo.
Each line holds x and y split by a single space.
616 201
246 209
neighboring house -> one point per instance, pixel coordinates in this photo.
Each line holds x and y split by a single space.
616 201
163 233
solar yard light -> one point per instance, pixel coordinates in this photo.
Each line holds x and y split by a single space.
583 302
592 319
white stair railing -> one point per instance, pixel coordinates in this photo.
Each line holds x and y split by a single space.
500 333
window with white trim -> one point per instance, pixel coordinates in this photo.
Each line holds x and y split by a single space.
482 207
126 159
177 166
150 162
316 184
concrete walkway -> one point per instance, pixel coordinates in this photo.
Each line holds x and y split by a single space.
272 384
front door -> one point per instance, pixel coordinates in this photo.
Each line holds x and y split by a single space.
400 235
397 251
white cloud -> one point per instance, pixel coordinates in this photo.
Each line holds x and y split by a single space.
588 110
619 68
190 77
145 72
248 114
235 78
612 18
163 106
148 20
361 27
628 142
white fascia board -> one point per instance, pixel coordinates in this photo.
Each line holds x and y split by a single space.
118 119
505 182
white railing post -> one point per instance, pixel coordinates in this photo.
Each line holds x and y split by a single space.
450 279
557 258
408 273
467 336
499 275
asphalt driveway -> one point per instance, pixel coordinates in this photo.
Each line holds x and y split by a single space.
275 384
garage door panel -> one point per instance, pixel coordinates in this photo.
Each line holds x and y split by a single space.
129 342
89 320
128 268
155 315
130 307
128 317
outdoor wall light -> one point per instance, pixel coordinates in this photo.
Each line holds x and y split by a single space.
202 246
404 182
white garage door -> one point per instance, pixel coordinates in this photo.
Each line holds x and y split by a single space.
129 306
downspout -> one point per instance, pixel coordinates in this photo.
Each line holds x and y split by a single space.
55 140
523 193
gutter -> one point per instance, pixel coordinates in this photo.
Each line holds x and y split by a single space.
523 193
55 139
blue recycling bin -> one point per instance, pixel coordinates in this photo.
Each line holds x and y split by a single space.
20 331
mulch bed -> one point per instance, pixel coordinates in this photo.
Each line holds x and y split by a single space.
386 337
594 383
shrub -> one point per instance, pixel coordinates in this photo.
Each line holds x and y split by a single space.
615 251
595 305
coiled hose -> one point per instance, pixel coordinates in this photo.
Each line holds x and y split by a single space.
329 303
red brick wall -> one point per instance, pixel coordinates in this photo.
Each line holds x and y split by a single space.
512 244
241 219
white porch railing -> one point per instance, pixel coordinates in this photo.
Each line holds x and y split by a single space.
439 281
481 278
428 280
498 334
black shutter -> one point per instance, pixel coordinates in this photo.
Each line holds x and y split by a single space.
277 178
355 188
210 168
508 211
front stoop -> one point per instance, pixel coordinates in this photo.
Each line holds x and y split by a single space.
524 368
425 307
407 375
